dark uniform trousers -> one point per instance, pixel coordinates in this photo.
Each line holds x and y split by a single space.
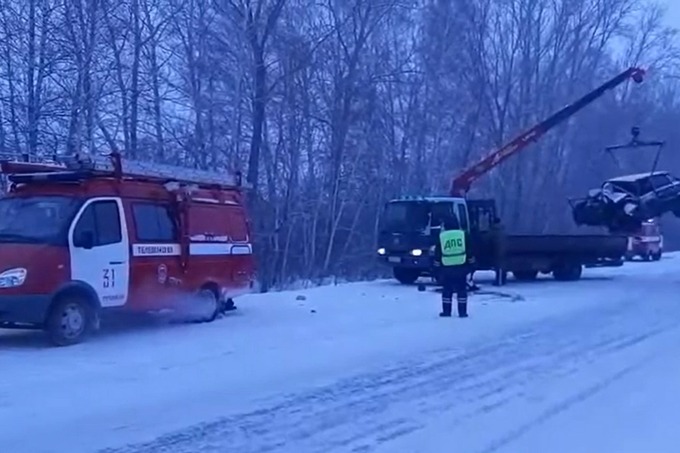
454 279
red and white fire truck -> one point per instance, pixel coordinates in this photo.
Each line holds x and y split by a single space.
646 243
106 234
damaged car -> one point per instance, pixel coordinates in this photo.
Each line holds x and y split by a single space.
624 203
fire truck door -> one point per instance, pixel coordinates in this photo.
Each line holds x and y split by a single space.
99 250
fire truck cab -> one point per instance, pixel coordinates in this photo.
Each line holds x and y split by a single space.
88 237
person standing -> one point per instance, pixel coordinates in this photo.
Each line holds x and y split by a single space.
498 245
451 255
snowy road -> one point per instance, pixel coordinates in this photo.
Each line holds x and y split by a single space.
589 366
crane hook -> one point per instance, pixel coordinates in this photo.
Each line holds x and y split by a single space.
635 132
638 75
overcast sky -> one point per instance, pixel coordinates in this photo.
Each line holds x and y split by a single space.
673 12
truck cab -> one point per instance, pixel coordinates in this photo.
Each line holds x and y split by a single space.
409 230
79 242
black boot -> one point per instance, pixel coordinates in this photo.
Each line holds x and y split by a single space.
462 310
446 310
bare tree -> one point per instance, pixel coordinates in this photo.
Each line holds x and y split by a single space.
336 106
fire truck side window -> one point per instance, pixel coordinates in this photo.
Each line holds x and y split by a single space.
103 220
154 222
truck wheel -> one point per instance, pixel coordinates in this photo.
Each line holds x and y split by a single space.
70 321
406 276
210 305
525 275
656 256
568 272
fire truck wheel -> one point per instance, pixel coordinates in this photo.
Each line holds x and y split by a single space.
656 256
208 299
70 321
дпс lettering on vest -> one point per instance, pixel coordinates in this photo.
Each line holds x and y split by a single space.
451 243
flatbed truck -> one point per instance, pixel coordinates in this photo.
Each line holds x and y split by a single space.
408 247
410 226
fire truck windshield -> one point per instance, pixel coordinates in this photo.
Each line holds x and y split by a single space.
36 219
404 216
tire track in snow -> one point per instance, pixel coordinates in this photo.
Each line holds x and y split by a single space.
359 413
558 409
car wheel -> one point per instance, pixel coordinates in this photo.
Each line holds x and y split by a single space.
70 320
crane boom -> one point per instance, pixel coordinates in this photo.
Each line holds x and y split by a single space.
461 183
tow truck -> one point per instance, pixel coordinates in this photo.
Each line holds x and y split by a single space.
411 225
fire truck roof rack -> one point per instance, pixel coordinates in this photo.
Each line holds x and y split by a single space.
113 165
13 164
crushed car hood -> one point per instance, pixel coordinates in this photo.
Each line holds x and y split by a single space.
615 196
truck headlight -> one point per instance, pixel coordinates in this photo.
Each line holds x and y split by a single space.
12 277
381 251
416 252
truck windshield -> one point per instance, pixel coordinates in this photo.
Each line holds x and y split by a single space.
406 216
36 220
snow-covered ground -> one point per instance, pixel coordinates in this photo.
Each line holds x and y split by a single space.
588 366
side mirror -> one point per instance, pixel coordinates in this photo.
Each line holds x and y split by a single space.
84 240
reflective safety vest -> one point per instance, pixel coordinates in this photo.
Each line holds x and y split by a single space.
453 247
